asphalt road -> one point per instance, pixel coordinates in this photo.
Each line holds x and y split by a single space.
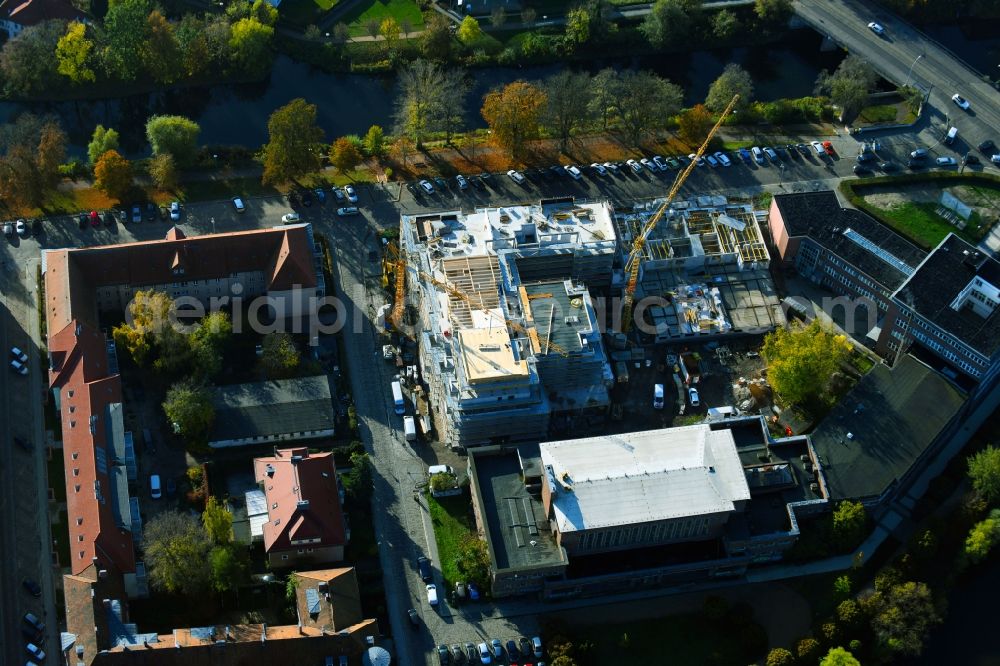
895 56
401 524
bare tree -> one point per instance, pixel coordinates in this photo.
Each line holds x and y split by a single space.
498 17
373 27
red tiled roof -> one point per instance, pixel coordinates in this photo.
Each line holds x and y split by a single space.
303 501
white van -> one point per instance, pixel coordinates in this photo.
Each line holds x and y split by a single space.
432 594
658 396
397 398
952 135
409 428
440 469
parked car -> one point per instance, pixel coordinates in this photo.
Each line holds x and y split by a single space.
240 207
862 170
803 149
175 210
347 211
793 152
946 161
426 186
693 396
35 651
536 645
888 167
151 211
462 182
94 218
109 218
484 654
700 161
155 489
771 155
599 169
635 166
988 147
970 159
961 102
711 161
414 617
516 176
496 647
352 194
19 368
339 197
828 149
612 167
8 229
443 655
865 157
512 650
21 228
290 218
919 154
660 163
782 153
758 155
648 163
995 159
818 147
876 28
320 195
432 594
18 354
32 587
441 184
424 567
745 155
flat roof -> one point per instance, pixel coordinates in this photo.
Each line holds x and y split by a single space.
938 281
881 428
871 247
487 355
518 532
559 317
643 477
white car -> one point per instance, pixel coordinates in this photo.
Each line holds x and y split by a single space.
290 218
573 171
946 161
347 211
516 176
693 396
646 162
635 166
237 204
35 651
995 159
960 102
660 163
18 367
484 654
758 154
462 182
175 210
700 160
818 147
599 168
352 194
611 166
426 186
432 594
876 28
21 228
18 354
723 159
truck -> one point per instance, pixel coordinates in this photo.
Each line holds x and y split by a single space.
397 398
409 429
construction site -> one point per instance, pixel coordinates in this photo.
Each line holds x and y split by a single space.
703 269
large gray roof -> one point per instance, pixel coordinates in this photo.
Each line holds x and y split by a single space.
272 408
879 430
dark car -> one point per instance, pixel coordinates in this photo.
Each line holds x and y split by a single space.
109 218
36 227
307 198
82 220
414 617
486 178
136 213
413 189
793 151
988 148
31 586
441 184
782 152
320 195
862 170
557 171
970 159
888 167
443 655
152 211
424 567
916 163
339 196
526 649
512 651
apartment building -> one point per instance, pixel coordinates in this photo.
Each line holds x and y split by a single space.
508 331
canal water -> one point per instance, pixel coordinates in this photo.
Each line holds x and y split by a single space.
350 103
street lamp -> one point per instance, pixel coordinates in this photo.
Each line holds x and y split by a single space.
911 68
213 225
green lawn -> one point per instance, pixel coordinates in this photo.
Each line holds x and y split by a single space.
881 113
689 639
401 10
919 221
304 12
450 516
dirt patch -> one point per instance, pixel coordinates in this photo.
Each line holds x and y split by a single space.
983 200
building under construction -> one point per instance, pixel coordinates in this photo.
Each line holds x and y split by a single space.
507 331
706 265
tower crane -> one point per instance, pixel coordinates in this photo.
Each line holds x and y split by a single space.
395 317
635 256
